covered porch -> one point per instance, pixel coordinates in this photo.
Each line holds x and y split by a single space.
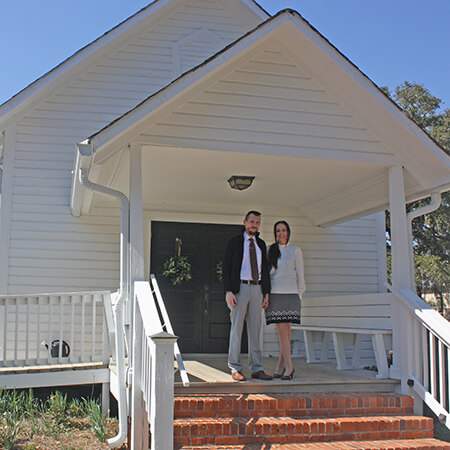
320 159
324 146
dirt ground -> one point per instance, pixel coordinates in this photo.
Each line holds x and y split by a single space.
74 439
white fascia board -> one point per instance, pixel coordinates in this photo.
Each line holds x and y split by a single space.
127 127
39 88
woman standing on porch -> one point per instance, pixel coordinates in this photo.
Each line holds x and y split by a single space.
288 285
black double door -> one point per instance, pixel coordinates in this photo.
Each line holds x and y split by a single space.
197 308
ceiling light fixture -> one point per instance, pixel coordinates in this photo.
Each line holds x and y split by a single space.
240 182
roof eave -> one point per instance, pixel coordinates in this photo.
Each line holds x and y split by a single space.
29 94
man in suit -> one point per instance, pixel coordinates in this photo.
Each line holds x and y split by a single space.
247 286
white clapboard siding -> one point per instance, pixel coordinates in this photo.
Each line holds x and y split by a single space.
259 105
344 270
52 251
47 244
345 265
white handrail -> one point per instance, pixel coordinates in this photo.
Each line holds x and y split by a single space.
430 318
427 363
168 328
153 374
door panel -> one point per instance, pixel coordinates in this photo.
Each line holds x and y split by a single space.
197 308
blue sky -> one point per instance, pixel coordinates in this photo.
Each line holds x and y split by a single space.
389 40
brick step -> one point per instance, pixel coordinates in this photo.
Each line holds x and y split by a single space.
284 430
298 405
418 444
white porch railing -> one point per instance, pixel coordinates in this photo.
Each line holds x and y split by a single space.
153 372
426 352
49 329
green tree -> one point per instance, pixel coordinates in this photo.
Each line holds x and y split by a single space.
418 103
431 233
432 274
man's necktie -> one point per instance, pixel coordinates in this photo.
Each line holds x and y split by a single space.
253 261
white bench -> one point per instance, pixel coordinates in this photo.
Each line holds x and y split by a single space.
347 319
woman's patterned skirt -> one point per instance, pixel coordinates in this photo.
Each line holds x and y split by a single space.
283 308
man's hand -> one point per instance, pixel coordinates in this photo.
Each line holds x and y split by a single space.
265 302
230 299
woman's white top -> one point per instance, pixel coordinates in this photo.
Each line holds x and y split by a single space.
289 277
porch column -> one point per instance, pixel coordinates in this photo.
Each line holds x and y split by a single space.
139 425
136 220
401 275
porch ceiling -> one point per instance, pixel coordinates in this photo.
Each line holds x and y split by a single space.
191 180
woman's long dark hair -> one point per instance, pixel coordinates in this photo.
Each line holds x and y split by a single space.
274 249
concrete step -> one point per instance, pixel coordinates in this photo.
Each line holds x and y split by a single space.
284 430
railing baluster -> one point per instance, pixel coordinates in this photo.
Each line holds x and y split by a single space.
50 325
144 370
27 330
442 376
94 319
447 378
2 320
38 330
5 329
148 366
418 364
83 326
61 326
33 301
77 320
72 329
16 330
426 360
433 374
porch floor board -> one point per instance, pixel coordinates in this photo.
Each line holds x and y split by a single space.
51 368
51 375
209 373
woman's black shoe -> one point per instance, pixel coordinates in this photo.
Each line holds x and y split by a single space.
288 377
279 375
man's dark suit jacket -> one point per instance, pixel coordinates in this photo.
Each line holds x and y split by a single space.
233 262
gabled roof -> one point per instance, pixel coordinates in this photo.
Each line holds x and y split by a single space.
404 143
46 81
249 33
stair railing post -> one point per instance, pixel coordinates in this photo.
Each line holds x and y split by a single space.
162 392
